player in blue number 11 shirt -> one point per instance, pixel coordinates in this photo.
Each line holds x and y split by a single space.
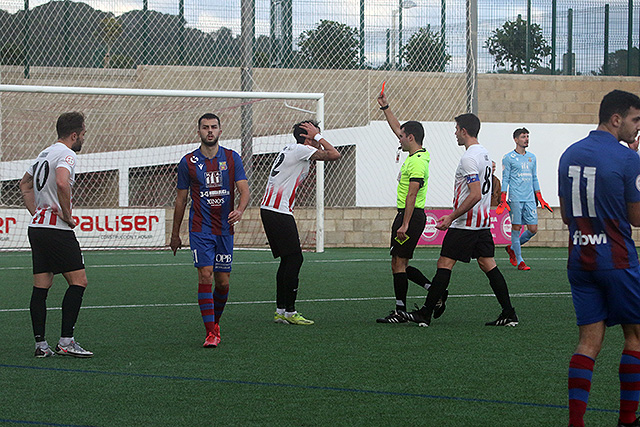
599 189
210 175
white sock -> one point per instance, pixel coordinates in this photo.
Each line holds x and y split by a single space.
42 344
280 310
65 341
289 313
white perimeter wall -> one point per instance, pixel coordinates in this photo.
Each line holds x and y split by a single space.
377 170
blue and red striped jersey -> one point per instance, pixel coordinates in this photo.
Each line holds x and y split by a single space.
597 177
211 184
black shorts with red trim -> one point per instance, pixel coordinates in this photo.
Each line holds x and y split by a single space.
54 251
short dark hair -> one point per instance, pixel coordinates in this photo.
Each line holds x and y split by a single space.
298 131
208 116
617 102
414 128
520 131
69 123
470 122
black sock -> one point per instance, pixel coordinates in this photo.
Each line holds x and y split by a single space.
281 290
438 286
417 277
70 309
38 309
499 286
291 272
400 286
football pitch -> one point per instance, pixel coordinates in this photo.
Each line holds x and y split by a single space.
141 319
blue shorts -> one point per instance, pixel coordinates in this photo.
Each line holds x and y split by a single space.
208 249
609 295
523 213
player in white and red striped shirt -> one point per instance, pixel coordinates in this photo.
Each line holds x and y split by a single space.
469 227
289 169
46 191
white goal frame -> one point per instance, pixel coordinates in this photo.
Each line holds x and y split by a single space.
318 97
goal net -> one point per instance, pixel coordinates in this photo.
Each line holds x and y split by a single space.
126 175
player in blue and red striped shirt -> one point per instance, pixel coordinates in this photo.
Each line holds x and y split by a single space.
599 189
210 175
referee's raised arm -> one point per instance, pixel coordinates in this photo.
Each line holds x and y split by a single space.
388 114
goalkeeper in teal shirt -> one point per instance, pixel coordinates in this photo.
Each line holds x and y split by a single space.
520 180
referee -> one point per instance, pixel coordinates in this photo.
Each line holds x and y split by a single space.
410 220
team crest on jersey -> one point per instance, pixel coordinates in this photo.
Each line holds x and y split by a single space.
194 159
213 179
70 160
223 166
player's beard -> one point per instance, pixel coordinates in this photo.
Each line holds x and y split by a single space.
210 143
77 146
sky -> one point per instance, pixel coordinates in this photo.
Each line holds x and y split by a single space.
210 16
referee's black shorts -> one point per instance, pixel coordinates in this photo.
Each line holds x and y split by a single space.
416 227
282 233
462 245
54 251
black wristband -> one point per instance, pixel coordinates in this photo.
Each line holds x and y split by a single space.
385 107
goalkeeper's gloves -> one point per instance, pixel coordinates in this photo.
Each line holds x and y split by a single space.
503 204
543 204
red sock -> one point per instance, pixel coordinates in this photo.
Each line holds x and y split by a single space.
580 373
205 301
629 373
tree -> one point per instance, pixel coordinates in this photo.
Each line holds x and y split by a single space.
508 45
426 51
109 31
618 63
330 45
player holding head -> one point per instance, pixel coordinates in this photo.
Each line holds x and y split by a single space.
54 247
289 169
469 233
599 201
410 220
520 180
210 175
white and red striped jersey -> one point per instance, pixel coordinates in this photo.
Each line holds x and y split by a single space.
475 165
289 169
44 170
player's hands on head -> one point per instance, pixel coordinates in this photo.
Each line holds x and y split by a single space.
175 244
310 129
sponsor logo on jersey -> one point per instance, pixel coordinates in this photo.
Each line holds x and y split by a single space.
580 239
213 179
214 193
70 160
217 201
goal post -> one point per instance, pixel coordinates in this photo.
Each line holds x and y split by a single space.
135 139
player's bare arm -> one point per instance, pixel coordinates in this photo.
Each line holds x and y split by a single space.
633 212
326 151
394 124
236 215
64 196
178 213
28 196
475 195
